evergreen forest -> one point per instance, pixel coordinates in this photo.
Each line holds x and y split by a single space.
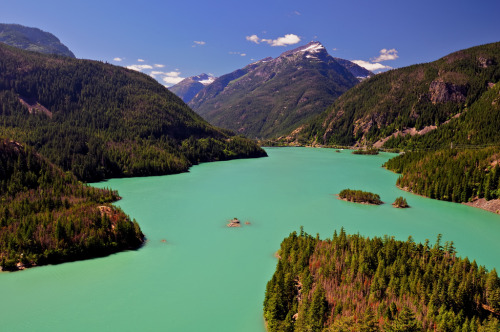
359 196
456 97
100 121
357 283
47 216
451 175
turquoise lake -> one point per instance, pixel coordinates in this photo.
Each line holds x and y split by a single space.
196 274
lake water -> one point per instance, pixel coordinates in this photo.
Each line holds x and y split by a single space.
207 277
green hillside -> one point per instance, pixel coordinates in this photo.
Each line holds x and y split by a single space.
446 97
99 121
451 175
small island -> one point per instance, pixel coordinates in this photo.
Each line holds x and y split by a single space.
400 203
359 196
370 151
235 222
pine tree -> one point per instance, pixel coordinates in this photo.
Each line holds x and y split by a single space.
369 323
317 309
405 321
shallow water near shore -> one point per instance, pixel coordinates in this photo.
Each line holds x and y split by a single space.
196 274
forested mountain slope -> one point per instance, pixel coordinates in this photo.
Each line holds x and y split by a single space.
452 98
98 120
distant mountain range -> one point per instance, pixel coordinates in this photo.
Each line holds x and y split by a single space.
32 39
271 96
452 100
189 87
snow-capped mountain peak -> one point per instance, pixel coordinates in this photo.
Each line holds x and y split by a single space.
189 87
203 79
313 47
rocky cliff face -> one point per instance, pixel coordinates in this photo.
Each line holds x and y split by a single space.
442 92
272 96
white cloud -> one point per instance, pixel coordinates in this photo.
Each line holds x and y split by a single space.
238 53
198 43
117 59
139 67
370 66
253 39
171 80
334 49
158 65
155 73
386 54
288 39
297 13
173 73
140 60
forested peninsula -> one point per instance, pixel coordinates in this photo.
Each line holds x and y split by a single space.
356 283
454 175
47 216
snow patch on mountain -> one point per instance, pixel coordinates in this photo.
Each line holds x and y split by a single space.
313 48
203 79
207 81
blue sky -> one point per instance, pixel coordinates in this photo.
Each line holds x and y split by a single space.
177 39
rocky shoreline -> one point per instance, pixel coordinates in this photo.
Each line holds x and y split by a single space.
493 205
